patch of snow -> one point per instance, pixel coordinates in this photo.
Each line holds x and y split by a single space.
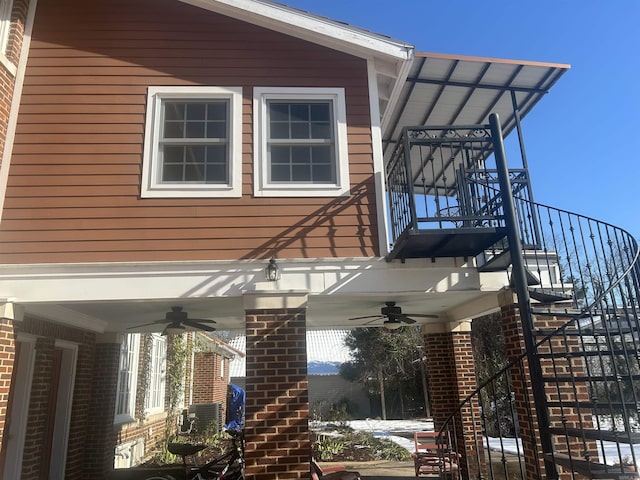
609 452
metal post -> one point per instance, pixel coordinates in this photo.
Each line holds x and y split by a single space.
523 155
520 282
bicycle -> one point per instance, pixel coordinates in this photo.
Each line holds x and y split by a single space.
229 466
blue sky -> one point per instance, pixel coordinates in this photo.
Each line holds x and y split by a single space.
583 138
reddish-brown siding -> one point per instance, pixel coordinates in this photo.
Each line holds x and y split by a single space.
74 183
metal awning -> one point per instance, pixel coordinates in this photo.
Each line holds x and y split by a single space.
458 90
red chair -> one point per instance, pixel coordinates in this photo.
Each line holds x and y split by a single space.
334 472
433 457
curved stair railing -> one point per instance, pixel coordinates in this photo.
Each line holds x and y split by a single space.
584 289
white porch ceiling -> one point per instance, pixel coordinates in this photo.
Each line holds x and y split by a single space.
458 90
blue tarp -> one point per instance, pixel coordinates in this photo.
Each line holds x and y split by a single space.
235 407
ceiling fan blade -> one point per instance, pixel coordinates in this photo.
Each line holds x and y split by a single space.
147 324
421 315
407 320
201 320
367 316
199 325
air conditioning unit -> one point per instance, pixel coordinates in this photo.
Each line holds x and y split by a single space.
208 417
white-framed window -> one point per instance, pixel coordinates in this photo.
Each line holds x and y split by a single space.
127 378
5 24
154 399
193 142
300 142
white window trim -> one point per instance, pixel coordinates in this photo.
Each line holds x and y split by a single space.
262 187
161 377
151 187
6 7
133 381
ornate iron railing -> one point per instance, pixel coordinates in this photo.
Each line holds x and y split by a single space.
445 177
584 304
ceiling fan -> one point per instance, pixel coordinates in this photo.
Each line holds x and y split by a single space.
179 322
394 318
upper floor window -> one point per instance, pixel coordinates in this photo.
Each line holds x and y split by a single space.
5 23
154 400
193 143
300 142
127 378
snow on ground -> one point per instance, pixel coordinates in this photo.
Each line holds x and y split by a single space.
401 432
608 451
398 431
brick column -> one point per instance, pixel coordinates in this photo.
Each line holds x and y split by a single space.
277 408
7 360
102 437
521 384
567 417
451 379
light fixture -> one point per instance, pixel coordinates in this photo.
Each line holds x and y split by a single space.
392 324
174 328
272 272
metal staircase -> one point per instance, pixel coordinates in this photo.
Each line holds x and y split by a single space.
568 403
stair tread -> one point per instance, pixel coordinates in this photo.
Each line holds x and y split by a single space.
498 262
592 469
588 332
548 295
594 434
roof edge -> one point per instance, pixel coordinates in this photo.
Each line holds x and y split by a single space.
492 60
308 26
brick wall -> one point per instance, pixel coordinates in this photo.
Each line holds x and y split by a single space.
101 435
34 464
525 406
208 384
521 384
7 357
277 409
451 379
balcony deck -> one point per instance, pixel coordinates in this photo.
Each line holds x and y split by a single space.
448 242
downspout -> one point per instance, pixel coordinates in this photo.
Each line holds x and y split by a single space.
15 104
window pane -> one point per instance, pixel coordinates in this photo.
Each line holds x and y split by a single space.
320 112
322 173
174 111
172 173
321 155
195 130
194 173
217 111
196 111
279 130
195 153
299 112
280 154
217 154
321 130
301 173
216 130
216 173
301 155
280 173
173 129
300 130
279 112
172 154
